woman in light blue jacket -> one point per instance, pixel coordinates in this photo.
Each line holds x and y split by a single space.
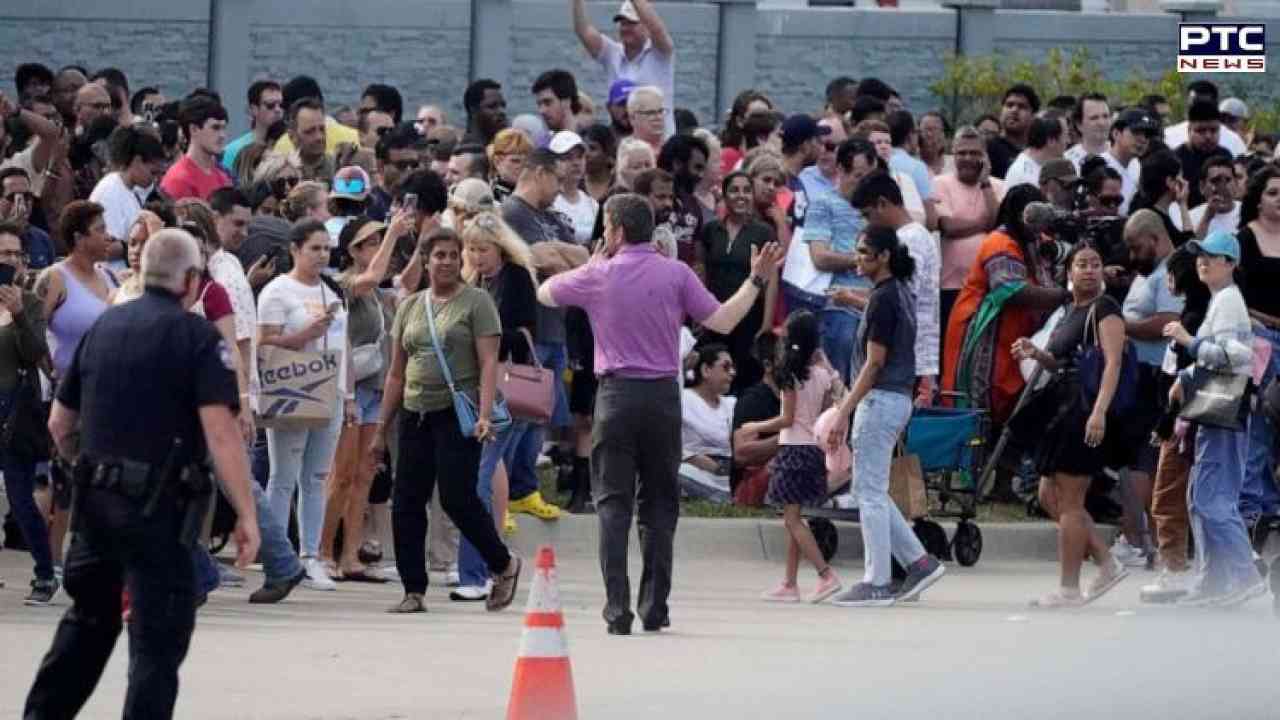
1224 343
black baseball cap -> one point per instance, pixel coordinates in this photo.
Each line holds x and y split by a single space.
1138 120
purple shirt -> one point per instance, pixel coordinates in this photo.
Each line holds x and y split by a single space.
636 302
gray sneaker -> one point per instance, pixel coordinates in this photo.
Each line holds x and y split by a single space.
865 595
228 577
42 592
1242 595
924 572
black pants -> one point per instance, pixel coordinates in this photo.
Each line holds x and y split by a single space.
114 545
635 458
431 448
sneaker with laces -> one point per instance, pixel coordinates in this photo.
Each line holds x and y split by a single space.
920 575
827 586
1128 555
452 578
1243 594
784 593
1200 596
1169 586
273 592
864 594
533 504
317 576
412 603
471 593
42 592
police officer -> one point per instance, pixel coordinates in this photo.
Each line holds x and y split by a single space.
152 392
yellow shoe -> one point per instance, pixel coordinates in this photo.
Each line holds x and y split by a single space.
533 504
509 525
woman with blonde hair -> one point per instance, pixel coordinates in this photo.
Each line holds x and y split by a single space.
496 260
634 157
507 154
308 201
708 189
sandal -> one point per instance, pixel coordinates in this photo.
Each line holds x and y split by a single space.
365 575
504 587
1059 599
412 603
1105 581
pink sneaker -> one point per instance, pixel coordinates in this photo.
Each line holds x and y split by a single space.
827 586
784 593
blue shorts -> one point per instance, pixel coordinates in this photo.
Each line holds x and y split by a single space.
368 404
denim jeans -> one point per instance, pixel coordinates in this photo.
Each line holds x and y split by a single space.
1260 495
301 459
279 561
19 486
877 424
523 469
839 333
1214 502
471 567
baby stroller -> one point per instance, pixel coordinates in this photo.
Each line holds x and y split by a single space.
950 444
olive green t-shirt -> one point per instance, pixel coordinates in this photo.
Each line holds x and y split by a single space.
469 315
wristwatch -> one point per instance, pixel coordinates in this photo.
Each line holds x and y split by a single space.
759 282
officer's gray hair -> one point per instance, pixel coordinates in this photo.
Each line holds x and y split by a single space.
167 257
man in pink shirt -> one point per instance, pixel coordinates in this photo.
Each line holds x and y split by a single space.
197 174
636 299
967 204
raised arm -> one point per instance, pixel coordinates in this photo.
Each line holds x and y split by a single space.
591 38
764 265
653 23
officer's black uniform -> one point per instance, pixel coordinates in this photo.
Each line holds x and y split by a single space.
138 379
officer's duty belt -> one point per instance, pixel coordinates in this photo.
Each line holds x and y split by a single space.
126 477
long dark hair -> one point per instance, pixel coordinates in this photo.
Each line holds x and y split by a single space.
1009 216
883 239
796 350
1252 200
1181 266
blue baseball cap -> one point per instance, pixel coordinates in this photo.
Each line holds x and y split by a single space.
1220 243
620 91
801 128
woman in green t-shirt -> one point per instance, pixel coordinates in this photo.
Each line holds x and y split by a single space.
431 444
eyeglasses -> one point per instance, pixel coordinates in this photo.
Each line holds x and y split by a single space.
650 113
12 255
1110 201
273 105
282 185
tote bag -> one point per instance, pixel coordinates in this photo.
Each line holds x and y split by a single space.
299 389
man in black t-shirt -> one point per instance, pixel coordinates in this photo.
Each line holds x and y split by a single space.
757 403
1019 106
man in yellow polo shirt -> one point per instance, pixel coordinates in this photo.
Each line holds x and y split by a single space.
335 132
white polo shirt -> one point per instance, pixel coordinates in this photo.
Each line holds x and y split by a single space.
650 67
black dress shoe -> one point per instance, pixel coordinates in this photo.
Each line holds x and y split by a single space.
656 627
620 627
272 593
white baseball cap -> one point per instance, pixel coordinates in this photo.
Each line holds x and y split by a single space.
1234 107
564 141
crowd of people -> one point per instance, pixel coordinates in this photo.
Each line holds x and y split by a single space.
1113 258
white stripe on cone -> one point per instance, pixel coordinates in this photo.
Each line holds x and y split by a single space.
544 597
543 643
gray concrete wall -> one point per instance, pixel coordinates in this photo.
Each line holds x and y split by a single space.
431 49
798 51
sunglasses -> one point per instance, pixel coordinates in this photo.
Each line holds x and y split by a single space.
281 186
353 185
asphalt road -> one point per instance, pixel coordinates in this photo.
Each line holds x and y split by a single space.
970 649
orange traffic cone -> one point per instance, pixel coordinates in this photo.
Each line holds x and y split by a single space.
543 685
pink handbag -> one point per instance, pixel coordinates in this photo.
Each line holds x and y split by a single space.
529 390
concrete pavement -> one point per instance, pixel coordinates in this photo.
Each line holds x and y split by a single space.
970 649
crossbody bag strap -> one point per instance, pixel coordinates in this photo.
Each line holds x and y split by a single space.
435 341
1091 323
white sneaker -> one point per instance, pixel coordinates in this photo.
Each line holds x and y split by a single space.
1169 586
471 593
317 576
452 578
1128 555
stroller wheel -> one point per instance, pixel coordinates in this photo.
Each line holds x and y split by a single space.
828 539
966 544
933 538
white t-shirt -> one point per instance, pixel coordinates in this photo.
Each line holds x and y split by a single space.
911 199
705 430
1176 135
650 67
293 306
582 215
1023 171
120 204
1226 223
1077 154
